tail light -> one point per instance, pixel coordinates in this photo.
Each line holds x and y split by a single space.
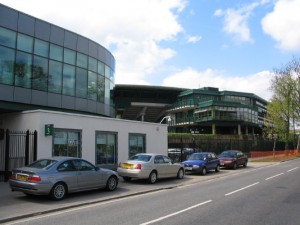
13 176
138 166
34 178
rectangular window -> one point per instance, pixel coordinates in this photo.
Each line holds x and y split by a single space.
101 68
39 73
69 80
7 58
107 92
66 143
25 43
92 64
55 77
41 48
56 52
106 148
107 71
23 70
100 88
7 37
137 144
92 86
82 60
69 56
81 83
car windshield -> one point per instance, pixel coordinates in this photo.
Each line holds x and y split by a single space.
42 164
196 157
228 154
144 158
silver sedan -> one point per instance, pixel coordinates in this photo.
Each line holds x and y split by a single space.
150 167
58 176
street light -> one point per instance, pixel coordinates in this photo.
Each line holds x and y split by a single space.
166 117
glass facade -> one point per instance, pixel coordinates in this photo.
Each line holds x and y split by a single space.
106 148
67 67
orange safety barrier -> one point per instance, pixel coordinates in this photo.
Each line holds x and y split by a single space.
256 154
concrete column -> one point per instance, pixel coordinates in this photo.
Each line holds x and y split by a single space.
213 128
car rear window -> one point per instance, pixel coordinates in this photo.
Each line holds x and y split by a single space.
228 154
42 164
144 158
197 157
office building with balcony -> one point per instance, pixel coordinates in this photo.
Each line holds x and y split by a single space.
210 111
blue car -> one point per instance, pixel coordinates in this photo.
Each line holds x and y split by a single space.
201 162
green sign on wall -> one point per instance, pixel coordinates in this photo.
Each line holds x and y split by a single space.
49 129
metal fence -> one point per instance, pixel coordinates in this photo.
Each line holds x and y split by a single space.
17 148
181 147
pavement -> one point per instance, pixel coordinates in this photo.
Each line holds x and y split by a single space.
16 205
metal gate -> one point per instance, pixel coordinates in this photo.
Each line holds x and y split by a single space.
17 149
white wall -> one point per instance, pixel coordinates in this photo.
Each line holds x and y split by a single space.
156 134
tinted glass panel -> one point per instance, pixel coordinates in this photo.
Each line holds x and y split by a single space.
92 86
25 43
56 52
69 80
92 64
69 56
81 83
55 77
23 70
82 60
7 58
39 73
107 71
7 37
41 48
106 148
100 88
101 68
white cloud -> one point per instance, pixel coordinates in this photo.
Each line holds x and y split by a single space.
258 83
283 23
193 39
133 29
236 20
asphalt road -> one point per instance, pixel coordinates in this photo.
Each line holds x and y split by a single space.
262 196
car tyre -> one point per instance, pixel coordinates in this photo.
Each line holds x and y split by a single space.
234 166
127 178
152 177
112 183
180 173
245 164
204 171
58 192
217 168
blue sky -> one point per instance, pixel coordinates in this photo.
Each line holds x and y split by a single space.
229 44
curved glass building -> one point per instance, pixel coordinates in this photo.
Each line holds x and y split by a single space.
47 67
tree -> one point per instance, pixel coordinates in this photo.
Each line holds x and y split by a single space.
283 111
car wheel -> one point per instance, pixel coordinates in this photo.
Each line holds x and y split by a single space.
245 164
234 166
180 173
112 183
152 177
204 171
127 178
217 168
58 192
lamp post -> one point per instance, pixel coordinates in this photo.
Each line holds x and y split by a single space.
166 117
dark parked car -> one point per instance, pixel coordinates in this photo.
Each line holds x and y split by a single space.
233 159
58 176
201 162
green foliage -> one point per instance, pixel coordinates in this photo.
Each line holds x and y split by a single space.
189 135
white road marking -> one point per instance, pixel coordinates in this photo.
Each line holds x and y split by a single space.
230 193
176 213
274 176
293 169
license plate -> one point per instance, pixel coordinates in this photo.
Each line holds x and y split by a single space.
188 168
21 177
127 166
222 164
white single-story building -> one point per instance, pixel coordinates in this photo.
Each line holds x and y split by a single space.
103 141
